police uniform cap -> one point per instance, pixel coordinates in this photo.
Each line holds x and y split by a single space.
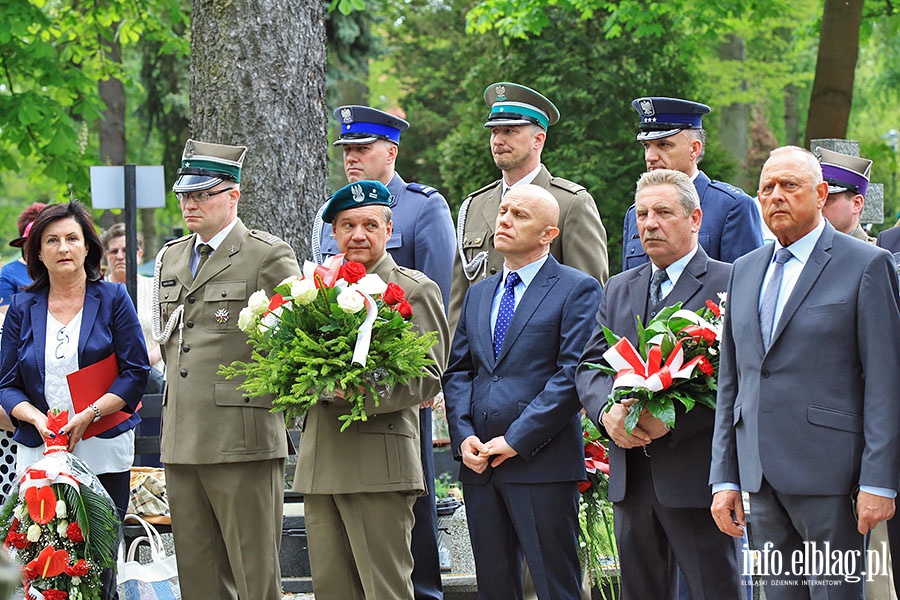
662 117
364 125
205 165
514 104
356 195
843 172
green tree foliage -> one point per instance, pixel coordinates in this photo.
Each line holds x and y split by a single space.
51 60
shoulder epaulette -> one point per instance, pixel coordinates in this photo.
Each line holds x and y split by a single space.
412 273
484 189
726 187
565 184
425 190
183 238
265 236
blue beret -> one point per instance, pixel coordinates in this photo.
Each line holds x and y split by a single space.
356 195
364 125
205 165
514 104
662 117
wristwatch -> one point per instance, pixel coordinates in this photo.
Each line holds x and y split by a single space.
96 410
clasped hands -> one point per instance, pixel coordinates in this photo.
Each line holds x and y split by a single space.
476 454
648 428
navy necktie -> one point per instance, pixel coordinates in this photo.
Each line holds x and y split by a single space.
507 308
770 298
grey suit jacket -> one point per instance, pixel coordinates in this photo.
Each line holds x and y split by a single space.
817 414
678 460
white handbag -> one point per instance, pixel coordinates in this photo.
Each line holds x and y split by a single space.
157 580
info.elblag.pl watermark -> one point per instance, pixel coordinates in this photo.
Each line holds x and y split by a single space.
818 562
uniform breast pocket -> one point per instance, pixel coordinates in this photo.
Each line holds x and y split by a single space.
170 297
222 303
475 241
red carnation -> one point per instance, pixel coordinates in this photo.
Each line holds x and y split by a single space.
17 540
393 294
712 306
73 532
351 272
55 595
79 569
706 367
404 309
31 572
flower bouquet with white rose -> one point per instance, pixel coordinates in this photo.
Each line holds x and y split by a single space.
61 525
335 332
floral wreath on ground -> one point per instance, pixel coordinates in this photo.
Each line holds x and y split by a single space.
677 358
316 335
61 525
597 543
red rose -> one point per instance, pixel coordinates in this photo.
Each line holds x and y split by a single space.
393 294
404 309
79 569
351 272
714 308
73 532
706 367
55 595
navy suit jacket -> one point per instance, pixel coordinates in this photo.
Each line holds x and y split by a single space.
528 393
817 413
423 236
679 459
731 225
109 324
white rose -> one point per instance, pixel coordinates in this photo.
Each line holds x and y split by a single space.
371 284
289 280
60 509
246 319
351 301
34 532
303 291
61 528
258 303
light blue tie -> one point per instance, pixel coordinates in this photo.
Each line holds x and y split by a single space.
770 298
507 308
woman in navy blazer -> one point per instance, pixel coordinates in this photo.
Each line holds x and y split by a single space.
69 302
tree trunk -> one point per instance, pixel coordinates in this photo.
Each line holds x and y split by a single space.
112 122
832 93
258 80
734 119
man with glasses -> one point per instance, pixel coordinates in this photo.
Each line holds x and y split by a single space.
224 453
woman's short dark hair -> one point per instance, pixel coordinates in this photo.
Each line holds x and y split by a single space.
54 212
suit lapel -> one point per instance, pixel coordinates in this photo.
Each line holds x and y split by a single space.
39 329
88 316
689 282
483 330
819 257
638 291
540 286
755 275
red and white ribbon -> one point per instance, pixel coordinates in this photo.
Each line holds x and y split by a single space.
364 337
653 374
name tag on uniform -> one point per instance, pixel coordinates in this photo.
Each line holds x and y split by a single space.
167 283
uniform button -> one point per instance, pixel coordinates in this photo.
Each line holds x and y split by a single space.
495 378
183 373
391 426
167 295
484 416
478 241
493 270
631 250
186 348
765 374
652 313
224 294
189 324
191 299
246 399
465 240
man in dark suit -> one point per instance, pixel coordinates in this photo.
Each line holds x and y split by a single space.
422 238
671 132
512 407
360 484
807 404
658 477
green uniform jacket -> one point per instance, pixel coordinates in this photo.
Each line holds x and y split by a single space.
581 242
206 419
381 454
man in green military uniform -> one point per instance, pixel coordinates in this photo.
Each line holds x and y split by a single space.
518 122
359 485
224 453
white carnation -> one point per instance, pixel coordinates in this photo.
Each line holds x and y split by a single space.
351 301
259 302
303 291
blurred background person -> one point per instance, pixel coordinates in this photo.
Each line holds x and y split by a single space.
14 275
68 319
114 252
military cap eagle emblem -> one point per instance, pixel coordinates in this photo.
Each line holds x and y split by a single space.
189 150
646 105
358 194
501 93
346 115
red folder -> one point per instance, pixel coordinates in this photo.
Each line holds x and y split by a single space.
88 384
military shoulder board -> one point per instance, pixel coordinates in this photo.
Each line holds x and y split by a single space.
412 273
426 190
565 184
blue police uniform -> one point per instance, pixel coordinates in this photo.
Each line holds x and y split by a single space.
423 238
731 224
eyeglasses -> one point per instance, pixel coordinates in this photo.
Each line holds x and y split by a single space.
63 338
199 197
